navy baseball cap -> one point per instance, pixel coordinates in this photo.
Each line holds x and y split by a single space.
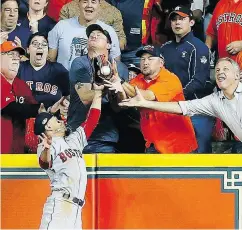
182 11
134 68
93 27
150 49
40 121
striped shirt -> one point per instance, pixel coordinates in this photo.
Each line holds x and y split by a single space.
217 105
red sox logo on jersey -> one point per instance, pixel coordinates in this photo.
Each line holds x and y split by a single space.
229 17
69 153
43 87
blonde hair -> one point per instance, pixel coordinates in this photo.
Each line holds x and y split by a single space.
234 63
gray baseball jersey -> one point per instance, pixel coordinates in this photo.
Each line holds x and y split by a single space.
68 170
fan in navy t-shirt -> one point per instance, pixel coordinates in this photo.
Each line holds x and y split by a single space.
49 81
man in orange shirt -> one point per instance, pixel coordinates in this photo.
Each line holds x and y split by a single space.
225 28
163 132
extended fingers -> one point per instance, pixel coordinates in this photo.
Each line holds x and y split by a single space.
108 86
138 91
40 137
123 103
114 67
44 136
126 100
61 100
108 82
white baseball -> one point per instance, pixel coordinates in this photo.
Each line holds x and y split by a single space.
105 70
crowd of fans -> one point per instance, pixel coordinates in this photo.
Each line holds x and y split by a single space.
51 52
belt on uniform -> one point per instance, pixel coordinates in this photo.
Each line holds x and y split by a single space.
74 199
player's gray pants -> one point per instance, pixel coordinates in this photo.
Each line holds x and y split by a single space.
60 213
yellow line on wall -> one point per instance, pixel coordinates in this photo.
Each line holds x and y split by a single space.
170 160
31 160
134 160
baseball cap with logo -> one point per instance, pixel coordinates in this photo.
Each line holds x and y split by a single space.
182 11
40 122
134 68
8 46
93 27
150 49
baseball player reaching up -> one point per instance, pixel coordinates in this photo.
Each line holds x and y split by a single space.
60 155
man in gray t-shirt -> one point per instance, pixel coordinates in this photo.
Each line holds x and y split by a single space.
82 74
68 40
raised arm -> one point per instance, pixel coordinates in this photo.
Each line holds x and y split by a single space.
85 93
94 113
139 101
44 151
202 106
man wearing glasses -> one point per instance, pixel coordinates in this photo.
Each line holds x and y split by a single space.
48 81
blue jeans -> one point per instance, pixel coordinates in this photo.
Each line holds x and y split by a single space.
129 57
95 146
237 147
203 126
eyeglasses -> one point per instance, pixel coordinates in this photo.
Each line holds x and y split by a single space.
37 44
13 55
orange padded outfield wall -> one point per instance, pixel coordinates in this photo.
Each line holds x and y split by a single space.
134 191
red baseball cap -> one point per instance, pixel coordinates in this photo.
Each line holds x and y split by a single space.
9 46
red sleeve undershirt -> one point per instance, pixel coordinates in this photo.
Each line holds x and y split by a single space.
91 122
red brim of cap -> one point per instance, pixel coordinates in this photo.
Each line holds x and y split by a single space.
179 13
18 48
